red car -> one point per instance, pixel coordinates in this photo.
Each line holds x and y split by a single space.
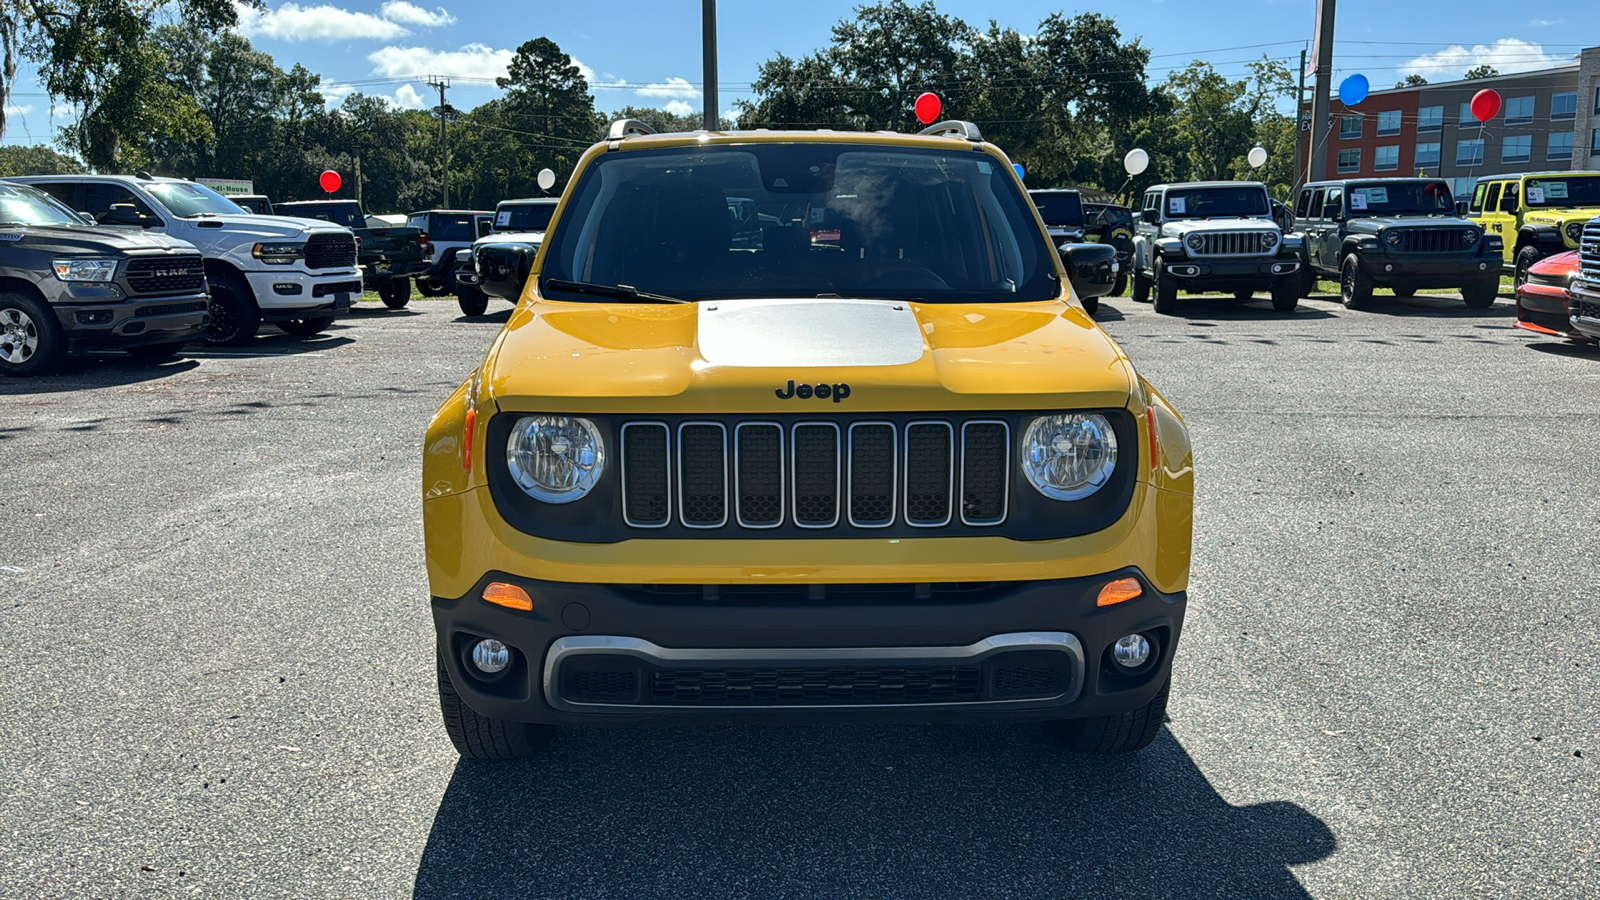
1544 300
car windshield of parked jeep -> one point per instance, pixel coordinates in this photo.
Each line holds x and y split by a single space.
523 216
186 200
1216 203
830 220
1398 198
23 205
1061 209
1568 191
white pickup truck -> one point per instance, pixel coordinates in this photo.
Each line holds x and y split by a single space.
297 274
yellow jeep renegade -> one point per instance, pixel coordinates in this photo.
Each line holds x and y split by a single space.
866 459
1536 214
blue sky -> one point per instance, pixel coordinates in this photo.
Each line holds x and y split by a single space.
647 52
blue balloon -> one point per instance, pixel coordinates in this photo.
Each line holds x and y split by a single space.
1353 90
1020 172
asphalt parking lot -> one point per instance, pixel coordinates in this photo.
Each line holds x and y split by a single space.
217 678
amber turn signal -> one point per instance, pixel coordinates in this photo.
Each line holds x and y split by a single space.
508 595
1118 591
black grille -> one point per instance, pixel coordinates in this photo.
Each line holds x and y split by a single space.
170 309
703 474
1587 309
984 484
816 475
1029 673
1431 240
645 475
815 686
872 474
331 251
166 275
759 469
928 450
338 287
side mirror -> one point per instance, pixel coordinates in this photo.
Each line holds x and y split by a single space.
464 257
1092 268
1330 211
1461 207
485 226
1508 205
127 214
1150 216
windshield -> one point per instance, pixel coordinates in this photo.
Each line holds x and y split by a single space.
23 205
451 227
1580 190
1059 208
1108 215
1401 198
184 199
802 220
348 216
1216 203
523 216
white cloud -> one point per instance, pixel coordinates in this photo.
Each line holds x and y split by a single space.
1507 56
293 22
471 61
1545 23
680 107
18 109
407 97
334 94
411 14
671 89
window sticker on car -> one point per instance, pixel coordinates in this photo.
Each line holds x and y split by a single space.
1362 198
1535 194
502 218
1555 190
1358 200
1177 205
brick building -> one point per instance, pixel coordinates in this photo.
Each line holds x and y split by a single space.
1549 120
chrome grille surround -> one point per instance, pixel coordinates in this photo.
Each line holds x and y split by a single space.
1589 253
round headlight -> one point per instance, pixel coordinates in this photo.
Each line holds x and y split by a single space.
557 459
1574 230
1269 239
1069 457
1470 236
1195 242
1393 237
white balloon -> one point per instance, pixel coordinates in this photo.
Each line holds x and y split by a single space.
547 179
1257 157
1136 161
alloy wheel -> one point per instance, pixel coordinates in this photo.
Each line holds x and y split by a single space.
19 336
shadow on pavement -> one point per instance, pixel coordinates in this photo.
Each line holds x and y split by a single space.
377 312
1446 306
871 812
271 342
1212 306
1568 349
92 371
498 317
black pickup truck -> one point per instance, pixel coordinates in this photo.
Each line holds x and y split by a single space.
389 255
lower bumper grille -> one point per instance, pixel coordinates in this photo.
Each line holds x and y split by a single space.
813 687
341 287
1585 309
170 309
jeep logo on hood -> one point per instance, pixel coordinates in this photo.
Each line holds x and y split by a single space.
821 391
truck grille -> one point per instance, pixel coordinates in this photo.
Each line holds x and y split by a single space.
815 475
1431 240
165 275
1580 308
1233 243
1589 253
331 251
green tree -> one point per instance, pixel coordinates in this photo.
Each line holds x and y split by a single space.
1483 71
1412 80
1212 119
664 121
16 159
795 93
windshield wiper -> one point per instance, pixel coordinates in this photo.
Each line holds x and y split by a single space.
614 291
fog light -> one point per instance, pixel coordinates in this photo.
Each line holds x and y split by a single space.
492 657
1388 267
1130 651
1483 267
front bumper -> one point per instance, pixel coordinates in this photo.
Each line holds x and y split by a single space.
1585 311
1197 274
132 322
1542 308
292 294
1422 273
589 653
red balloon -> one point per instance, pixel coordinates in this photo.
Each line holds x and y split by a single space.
1485 104
330 181
927 108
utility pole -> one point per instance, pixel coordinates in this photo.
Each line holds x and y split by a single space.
1300 161
708 49
358 182
1322 57
444 135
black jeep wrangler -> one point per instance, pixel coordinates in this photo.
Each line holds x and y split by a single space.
1395 233
67 284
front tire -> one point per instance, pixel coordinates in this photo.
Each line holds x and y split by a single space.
395 293
31 341
235 317
1091 305
1123 733
1165 290
1244 296
473 303
1141 287
1526 257
1481 296
1404 292
154 351
1355 286
1120 286
306 327
480 737
1285 296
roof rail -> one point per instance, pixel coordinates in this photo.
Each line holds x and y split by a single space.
957 128
622 128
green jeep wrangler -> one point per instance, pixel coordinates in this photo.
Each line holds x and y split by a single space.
1395 233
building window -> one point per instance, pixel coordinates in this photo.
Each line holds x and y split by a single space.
1519 110
1463 187
1427 154
1516 148
1431 118
1349 127
1597 99
1389 122
1560 145
1466 117
1350 160
1470 153
1594 143
1386 159
1564 106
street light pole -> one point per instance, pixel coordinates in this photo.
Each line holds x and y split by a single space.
708 46
444 138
